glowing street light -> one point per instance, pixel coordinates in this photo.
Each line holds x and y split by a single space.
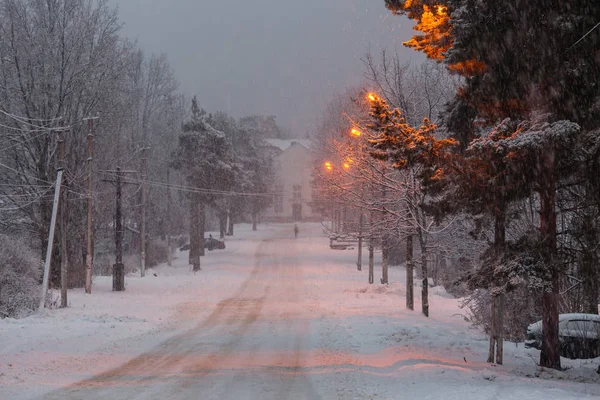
346 166
328 166
372 96
356 132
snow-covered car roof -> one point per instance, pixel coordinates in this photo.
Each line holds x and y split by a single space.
579 316
537 326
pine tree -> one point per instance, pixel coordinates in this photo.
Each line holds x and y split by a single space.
419 152
256 167
206 159
519 58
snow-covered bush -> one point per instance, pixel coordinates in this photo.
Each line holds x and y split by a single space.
20 278
521 308
103 264
157 254
521 273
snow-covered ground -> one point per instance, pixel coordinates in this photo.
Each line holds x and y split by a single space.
271 317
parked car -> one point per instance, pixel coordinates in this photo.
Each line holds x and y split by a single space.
209 243
579 335
214 244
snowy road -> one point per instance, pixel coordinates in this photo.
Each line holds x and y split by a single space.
271 319
252 345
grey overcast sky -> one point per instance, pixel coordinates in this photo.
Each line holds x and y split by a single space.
273 57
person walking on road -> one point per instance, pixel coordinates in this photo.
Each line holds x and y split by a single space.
296 231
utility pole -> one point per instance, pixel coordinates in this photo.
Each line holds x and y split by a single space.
168 224
119 268
57 190
144 201
89 258
63 227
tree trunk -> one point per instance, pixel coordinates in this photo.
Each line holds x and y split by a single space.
550 354
201 228
424 277
371 263
254 220
194 258
500 228
496 332
500 328
229 223
410 285
222 224
496 329
589 277
384 263
591 255
360 243
433 269
492 347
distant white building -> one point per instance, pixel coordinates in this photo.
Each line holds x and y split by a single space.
293 164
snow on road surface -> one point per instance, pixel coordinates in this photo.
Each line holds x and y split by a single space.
271 317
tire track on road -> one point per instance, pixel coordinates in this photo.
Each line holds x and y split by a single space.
175 351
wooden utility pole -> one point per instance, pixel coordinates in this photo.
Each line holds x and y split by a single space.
168 224
63 227
119 268
143 224
89 258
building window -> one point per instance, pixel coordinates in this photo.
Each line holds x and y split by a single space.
297 194
278 200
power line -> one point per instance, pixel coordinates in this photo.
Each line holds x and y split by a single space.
18 185
17 117
22 142
17 195
24 174
191 189
584 36
39 129
28 204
